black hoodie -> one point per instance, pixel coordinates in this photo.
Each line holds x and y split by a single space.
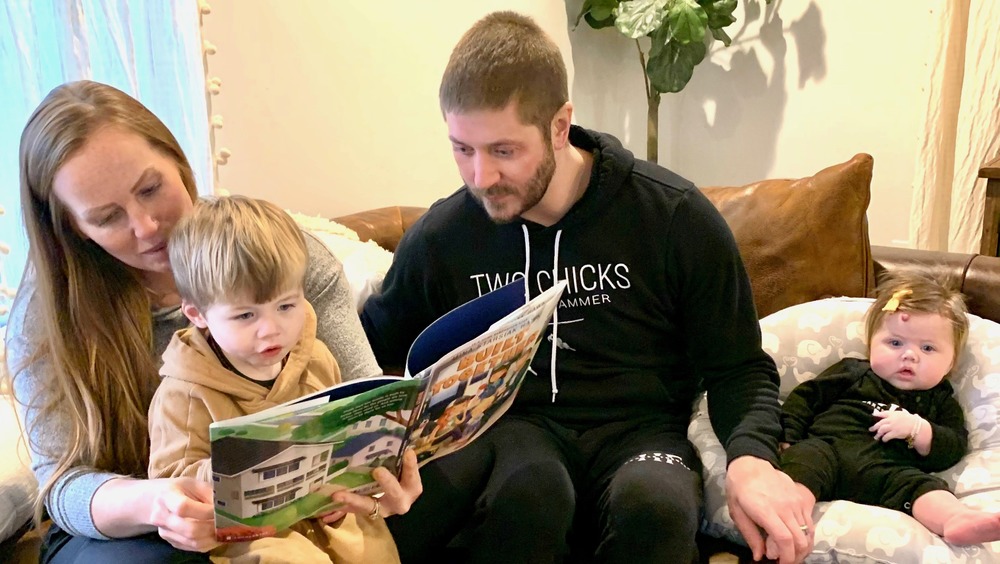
658 304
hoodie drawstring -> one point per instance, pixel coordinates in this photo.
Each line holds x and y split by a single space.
555 314
527 262
555 319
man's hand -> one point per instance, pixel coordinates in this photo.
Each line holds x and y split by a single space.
761 497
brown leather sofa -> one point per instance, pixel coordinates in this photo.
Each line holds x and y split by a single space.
850 270
978 275
801 240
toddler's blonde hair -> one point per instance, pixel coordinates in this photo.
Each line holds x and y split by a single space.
236 247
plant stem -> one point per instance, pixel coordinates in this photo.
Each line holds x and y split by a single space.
652 126
652 110
642 62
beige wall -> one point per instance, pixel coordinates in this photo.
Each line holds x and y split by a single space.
802 87
331 107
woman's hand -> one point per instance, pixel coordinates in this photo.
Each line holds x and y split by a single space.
398 497
180 509
183 513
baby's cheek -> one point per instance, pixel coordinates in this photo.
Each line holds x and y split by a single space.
882 365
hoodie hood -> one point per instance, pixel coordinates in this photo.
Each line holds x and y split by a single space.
613 164
190 358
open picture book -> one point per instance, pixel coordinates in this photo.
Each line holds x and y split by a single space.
273 468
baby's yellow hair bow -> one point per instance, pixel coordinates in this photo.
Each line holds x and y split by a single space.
893 303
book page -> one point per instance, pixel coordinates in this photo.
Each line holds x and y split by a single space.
470 388
463 324
322 397
282 465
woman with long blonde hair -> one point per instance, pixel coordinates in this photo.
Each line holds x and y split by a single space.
103 182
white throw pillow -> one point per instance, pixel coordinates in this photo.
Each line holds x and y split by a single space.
365 263
17 482
808 338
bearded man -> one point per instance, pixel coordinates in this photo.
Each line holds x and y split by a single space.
592 461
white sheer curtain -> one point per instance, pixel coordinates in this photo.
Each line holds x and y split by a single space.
152 50
962 128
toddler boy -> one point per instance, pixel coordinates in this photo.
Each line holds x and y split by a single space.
239 265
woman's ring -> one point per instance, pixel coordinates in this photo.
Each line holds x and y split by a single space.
803 528
375 510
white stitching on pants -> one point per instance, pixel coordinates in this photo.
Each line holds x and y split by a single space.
663 457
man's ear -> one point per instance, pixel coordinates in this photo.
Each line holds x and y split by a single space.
191 312
560 126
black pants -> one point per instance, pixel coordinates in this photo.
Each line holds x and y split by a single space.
858 473
530 490
62 548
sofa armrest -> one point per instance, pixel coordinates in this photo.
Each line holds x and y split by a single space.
978 276
385 226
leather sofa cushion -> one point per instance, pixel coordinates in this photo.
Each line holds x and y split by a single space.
385 226
803 239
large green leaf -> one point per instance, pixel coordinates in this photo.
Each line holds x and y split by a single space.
602 9
671 66
598 13
720 13
599 24
638 18
658 40
583 10
687 21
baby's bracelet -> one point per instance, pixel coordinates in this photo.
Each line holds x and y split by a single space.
916 431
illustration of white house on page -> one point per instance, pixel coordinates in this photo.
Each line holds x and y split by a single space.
364 451
258 476
370 442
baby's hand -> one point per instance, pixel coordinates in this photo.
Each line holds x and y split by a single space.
783 446
896 424
771 549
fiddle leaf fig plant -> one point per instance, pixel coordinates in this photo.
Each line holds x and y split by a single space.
677 31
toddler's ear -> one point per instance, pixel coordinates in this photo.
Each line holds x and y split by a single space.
191 312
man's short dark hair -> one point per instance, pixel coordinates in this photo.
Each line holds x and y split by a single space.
505 57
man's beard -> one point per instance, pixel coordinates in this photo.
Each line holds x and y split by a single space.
532 192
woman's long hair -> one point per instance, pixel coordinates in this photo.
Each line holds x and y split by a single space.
96 335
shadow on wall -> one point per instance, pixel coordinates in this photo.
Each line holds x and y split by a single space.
607 92
731 112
